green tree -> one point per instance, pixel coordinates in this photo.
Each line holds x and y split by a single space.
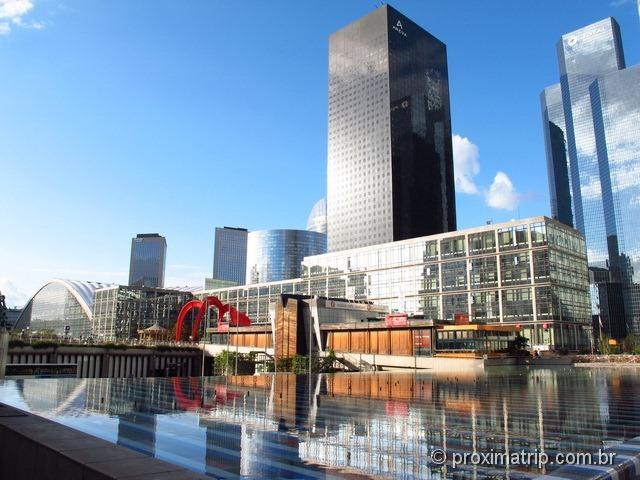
519 343
604 347
631 343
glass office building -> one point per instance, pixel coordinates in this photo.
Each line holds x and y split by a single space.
230 255
274 255
148 257
119 312
60 307
584 56
553 127
616 111
596 124
390 161
530 272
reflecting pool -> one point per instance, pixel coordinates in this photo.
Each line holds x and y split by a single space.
347 425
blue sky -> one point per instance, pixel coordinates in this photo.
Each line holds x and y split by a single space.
120 117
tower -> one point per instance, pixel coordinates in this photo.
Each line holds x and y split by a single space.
390 159
148 257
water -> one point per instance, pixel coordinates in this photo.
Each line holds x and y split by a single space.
384 425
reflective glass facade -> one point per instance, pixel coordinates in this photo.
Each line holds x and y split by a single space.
230 254
599 123
553 127
54 307
317 221
390 161
616 110
60 307
531 272
274 255
584 56
148 257
120 311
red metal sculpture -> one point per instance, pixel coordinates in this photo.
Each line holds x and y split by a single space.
236 318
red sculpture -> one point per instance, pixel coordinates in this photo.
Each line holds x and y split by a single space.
236 318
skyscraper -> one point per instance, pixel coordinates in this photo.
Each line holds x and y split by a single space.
615 103
593 156
230 254
148 257
585 55
390 160
553 127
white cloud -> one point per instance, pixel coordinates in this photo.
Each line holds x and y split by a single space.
502 194
466 164
14 296
12 12
14 9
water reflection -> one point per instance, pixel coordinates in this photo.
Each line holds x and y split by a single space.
379 424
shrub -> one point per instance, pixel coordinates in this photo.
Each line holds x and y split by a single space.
631 343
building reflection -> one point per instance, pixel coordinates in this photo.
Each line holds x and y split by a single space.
381 423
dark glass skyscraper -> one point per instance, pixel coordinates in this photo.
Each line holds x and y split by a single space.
230 254
390 160
597 185
148 257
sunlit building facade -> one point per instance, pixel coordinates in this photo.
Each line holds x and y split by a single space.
120 312
317 221
148 258
584 56
60 307
390 161
230 255
595 135
274 255
616 111
532 273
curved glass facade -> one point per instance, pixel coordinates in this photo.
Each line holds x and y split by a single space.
317 221
274 255
60 307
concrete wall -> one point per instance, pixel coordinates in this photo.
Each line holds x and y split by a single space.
96 362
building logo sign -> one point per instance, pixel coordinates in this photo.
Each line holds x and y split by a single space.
398 28
573 39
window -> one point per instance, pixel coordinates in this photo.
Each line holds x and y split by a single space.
513 238
484 242
453 247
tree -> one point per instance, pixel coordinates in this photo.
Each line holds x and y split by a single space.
604 346
520 343
631 343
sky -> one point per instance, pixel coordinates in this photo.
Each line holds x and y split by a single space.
122 117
